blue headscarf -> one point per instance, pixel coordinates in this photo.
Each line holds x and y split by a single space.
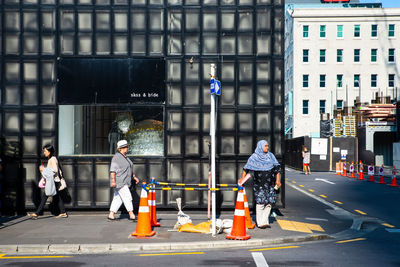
261 161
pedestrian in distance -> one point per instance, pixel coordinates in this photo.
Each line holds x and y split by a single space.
265 170
306 161
121 174
52 178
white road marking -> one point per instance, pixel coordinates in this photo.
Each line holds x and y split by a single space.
324 180
259 259
317 219
390 230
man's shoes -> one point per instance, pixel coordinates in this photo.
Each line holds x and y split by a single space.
264 226
62 215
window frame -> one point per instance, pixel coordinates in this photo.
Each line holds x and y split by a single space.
339 82
306 80
322 31
305 55
339 55
391 81
322 108
356 80
339 33
322 56
357 57
306 105
306 31
374 80
374 57
374 32
392 32
322 80
391 57
357 31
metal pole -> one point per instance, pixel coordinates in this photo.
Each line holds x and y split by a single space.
212 134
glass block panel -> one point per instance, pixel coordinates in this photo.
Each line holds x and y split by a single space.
155 44
156 2
31 44
30 22
192 20
228 45
245 2
227 145
121 21
206 95
120 44
85 2
263 71
138 44
245 121
30 169
192 121
245 95
48 95
206 122
102 195
278 44
263 122
67 20
209 44
228 96
29 145
227 121
102 2
67 2
210 2
174 171
138 20
103 45
12 71
209 21
157 172
174 94
49 2
48 46
139 170
263 19
48 121
85 172
245 71
192 95
278 94
174 145
48 71
206 141
138 2
175 2
278 119
84 196
228 2
278 18
48 21
11 21
30 71
263 95
51 140
191 145
174 44
30 122
174 121
278 75
278 145
11 44
121 2
245 44
174 71
85 21
67 44
30 95
192 72
245 145
227 71
263 44
245 21
156 20
102 172
192 44
228 21
102 21
11 122
85 44
12 95
174 21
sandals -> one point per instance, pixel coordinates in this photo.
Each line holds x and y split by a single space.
111 219
264 226
33 216
62 215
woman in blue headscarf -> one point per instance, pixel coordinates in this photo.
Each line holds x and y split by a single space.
265 170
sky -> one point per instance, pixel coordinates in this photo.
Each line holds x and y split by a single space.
385 3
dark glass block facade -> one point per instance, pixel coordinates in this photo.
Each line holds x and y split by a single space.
244 38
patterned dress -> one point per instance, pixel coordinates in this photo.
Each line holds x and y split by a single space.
263 185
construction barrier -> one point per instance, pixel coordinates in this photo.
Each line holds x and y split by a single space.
381 175
371 173
352 170
339 168
239 221
199 185
143 226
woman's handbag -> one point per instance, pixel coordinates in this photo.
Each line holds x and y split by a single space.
42 183
63 184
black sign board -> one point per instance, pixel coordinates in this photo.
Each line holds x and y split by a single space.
110 80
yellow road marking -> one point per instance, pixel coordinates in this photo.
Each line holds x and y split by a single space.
338 202
299 226
260 249
350 240
294 182
169 254
388 225
323 196
2 256
361 212
287 178
301 185
311 190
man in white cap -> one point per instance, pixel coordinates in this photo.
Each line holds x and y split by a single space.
121 174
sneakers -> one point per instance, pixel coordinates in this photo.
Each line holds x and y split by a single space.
62 215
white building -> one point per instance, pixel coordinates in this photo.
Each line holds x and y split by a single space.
333 56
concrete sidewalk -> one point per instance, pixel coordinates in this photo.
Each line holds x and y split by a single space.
91 232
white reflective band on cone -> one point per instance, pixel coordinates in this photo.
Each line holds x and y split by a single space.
143 194
152 202
246 205
239 212
240 197
144 209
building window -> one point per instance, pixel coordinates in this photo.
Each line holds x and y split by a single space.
322 53
391 30
374 79
339 104
322 31
356 30
374 55
322 104
391 80
391 55
305 55
356 80
356 55
339 80
374 30
339 33
305 31
339 55
305 107
305 80
322 79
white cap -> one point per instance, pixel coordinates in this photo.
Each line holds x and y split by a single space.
122 143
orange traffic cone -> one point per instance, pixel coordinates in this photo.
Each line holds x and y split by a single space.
249 223
352 170
143 227
371 171
338 168
152 206
361 173
239 221
344 169
394 180
381 176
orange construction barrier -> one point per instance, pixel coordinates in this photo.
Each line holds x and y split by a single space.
249 223
371 172
339 167
152 206
361 173
143 226
381 176
352 170
344 169
394 180
239 221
